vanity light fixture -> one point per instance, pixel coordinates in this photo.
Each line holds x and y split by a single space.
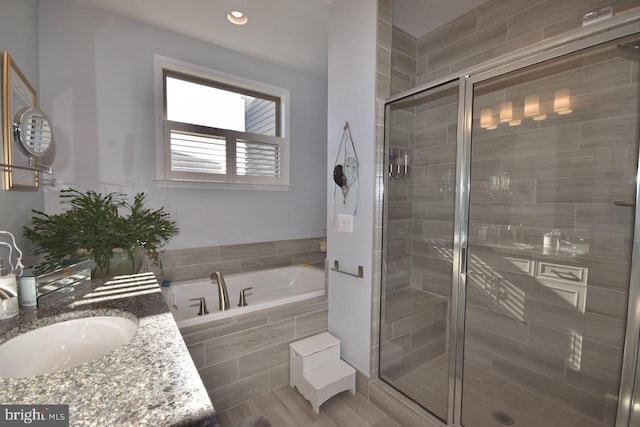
506 112
532 108
486 119
237 17
562 101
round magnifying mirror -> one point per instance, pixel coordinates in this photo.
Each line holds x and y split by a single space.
32 132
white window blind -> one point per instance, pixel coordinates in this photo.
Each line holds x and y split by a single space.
198 153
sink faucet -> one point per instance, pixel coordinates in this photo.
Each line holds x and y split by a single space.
223 296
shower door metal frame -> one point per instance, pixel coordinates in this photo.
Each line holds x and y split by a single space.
460 81
579 39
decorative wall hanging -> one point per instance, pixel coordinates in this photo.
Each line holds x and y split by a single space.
345 176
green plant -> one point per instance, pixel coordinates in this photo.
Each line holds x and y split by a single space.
95 225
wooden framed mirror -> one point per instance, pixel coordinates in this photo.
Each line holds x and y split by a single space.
17 94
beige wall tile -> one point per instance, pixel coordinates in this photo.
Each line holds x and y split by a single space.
609 275
609 132
426 75
197 354
297 246
552 340
400 83
245 342
548 12
265 262
506 327
197 271
263 360
312 323
425 317
403 42
604 356
584 190
385 10
499 10
279 376
194 255
298 309
221 374
208 331
383 61
508 46
482 40
384 30
607 302
603 329
427 334
401 63
247 250
393 350
457 29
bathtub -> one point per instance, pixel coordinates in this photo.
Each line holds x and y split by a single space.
271 288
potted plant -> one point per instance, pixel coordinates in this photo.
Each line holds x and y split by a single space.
102 227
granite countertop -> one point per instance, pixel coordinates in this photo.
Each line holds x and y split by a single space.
150 381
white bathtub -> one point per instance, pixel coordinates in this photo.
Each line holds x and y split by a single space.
270 288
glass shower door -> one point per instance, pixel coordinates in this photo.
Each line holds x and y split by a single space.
554 157
417 245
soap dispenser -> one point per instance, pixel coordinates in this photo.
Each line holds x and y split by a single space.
8 294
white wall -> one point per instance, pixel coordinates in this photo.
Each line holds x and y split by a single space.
97 84
19 37
352 66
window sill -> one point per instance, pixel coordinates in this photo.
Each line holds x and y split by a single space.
206 185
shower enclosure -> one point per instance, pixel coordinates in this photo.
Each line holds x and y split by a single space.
510 281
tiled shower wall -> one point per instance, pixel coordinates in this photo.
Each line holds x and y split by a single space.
383 90
196 263
497 28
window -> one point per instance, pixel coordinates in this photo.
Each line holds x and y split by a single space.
220 129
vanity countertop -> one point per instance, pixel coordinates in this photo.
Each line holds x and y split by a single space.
150 381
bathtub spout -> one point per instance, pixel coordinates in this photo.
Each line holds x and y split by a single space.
223 296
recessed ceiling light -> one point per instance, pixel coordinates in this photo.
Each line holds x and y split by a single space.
237 17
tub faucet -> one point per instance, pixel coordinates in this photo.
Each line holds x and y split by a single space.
223 296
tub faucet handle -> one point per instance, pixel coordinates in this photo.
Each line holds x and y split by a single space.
203 306
243 297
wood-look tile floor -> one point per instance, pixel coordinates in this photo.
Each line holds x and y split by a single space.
285 407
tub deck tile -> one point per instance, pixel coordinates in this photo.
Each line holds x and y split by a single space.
248 341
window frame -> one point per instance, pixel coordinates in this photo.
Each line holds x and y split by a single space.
163 67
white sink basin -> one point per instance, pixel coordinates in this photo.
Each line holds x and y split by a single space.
64 345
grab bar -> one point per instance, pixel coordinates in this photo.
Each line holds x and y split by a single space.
336 267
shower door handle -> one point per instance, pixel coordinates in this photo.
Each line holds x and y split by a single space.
464 256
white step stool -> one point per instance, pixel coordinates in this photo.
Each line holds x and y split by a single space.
317 371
